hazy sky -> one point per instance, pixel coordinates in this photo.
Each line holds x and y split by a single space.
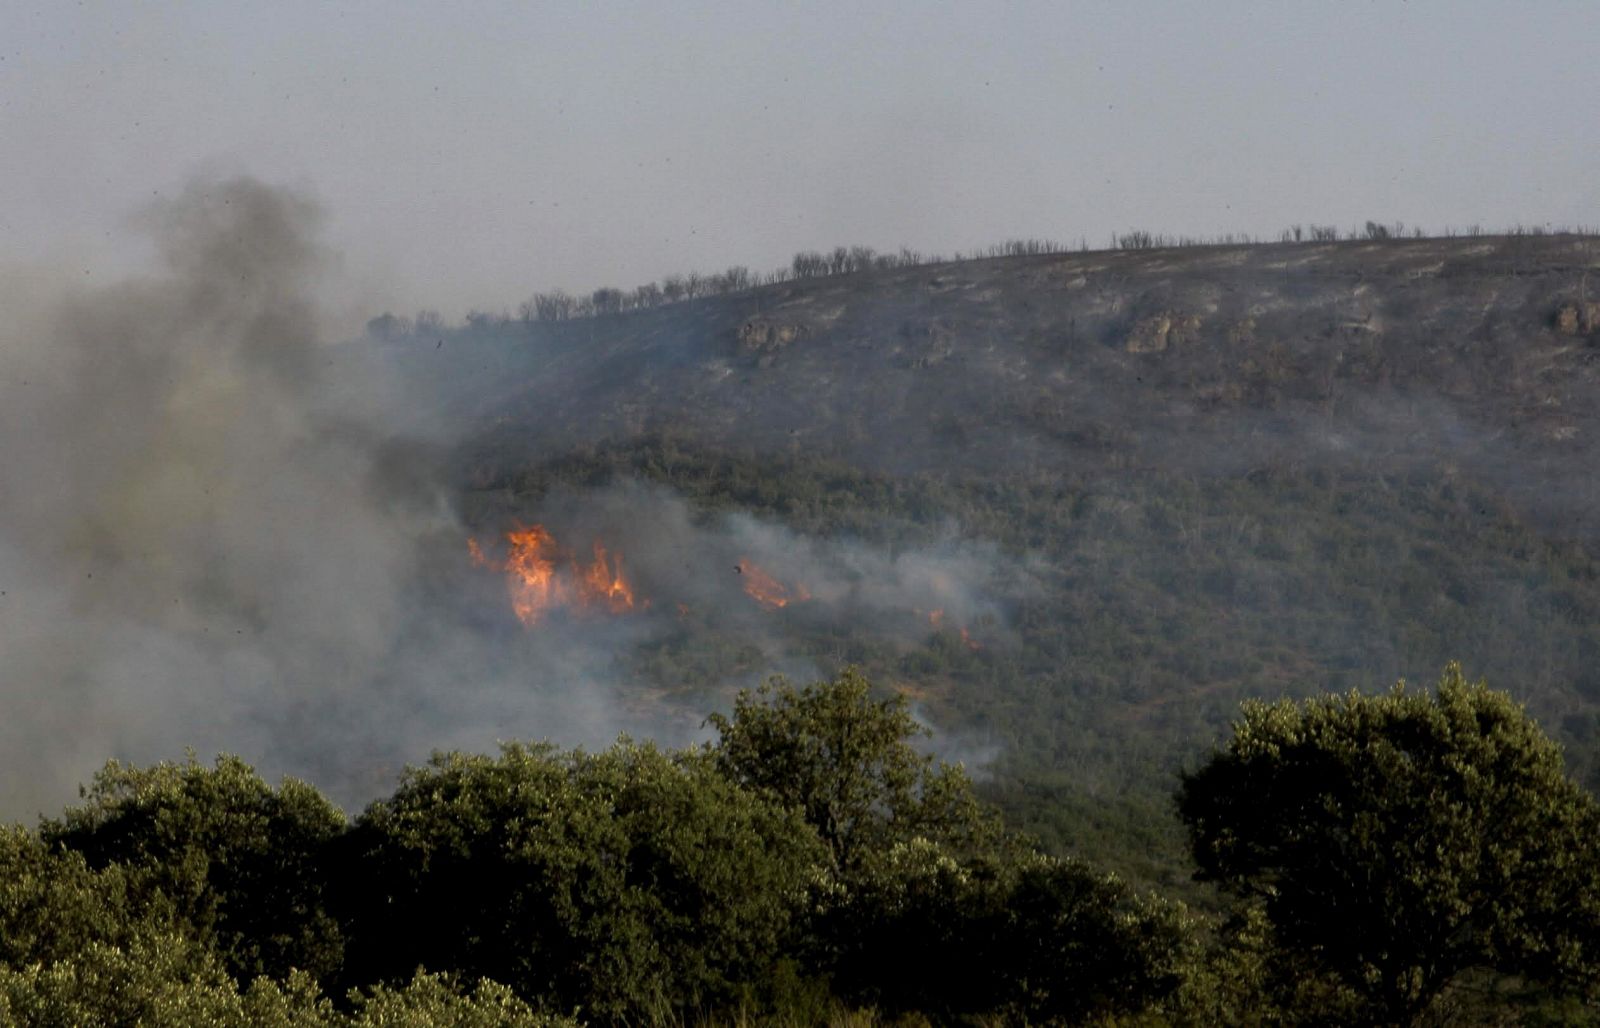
468 155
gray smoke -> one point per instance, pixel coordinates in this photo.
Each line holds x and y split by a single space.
205 542
219 533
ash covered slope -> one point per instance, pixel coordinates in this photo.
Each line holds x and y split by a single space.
1201 359
1214 473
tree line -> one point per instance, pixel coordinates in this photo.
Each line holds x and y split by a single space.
557 305
1406 858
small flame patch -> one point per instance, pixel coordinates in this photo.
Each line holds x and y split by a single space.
766 590
542 576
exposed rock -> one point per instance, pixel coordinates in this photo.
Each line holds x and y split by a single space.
1574 318
760 335
1156 333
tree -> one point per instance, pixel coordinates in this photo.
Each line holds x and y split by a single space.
387 327
629 883
809 264
1027 937
239 861
846 762
1398 843
167 981
53 905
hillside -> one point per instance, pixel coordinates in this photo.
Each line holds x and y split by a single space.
1160 481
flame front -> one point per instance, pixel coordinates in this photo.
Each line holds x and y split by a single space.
541 576
936 619
602 582
768 591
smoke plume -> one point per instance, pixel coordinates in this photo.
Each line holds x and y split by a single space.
202 547
218 533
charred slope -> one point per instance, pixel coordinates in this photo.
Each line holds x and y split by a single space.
1117 360
1220 472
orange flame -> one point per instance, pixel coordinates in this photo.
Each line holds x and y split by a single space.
936 619
768 591
603 581
541 576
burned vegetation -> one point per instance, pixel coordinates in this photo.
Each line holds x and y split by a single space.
1034 526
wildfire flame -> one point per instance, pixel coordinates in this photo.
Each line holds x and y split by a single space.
766 590
541 576
936 619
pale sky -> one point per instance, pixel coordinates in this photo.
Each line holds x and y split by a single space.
468 155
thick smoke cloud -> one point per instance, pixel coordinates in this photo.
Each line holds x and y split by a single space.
219 533
201 547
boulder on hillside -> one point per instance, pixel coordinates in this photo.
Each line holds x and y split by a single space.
1578 318
1156 333
763 335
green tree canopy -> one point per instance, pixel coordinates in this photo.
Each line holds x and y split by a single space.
237 860
628 883
1031 938
1398 842
847 763
54 905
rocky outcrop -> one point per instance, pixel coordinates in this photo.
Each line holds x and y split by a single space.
1156 333
762 335
1578 318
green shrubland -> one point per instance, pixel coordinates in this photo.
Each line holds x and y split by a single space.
1411 857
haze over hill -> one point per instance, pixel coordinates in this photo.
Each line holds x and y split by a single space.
1213 473
1077 505
1204 473
1470 350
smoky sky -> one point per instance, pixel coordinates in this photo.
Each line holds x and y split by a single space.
216 536
469 158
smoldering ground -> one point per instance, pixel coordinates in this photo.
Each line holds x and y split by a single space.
214 535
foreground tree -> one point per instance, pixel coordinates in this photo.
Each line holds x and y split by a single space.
633 884
1028 938
846 762
54 905
929 907
1399 843
235 862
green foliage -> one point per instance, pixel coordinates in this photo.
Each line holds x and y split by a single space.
236 859
432 999
933 909
52 904
1399 842
1152 603
626 883
1400 858
159 980
1032 938
845 761
166 981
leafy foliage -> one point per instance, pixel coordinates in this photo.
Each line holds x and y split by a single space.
1156 602
166 981
1398 842
52 904
624 883
1394 857
237 860
845 762
1037 939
